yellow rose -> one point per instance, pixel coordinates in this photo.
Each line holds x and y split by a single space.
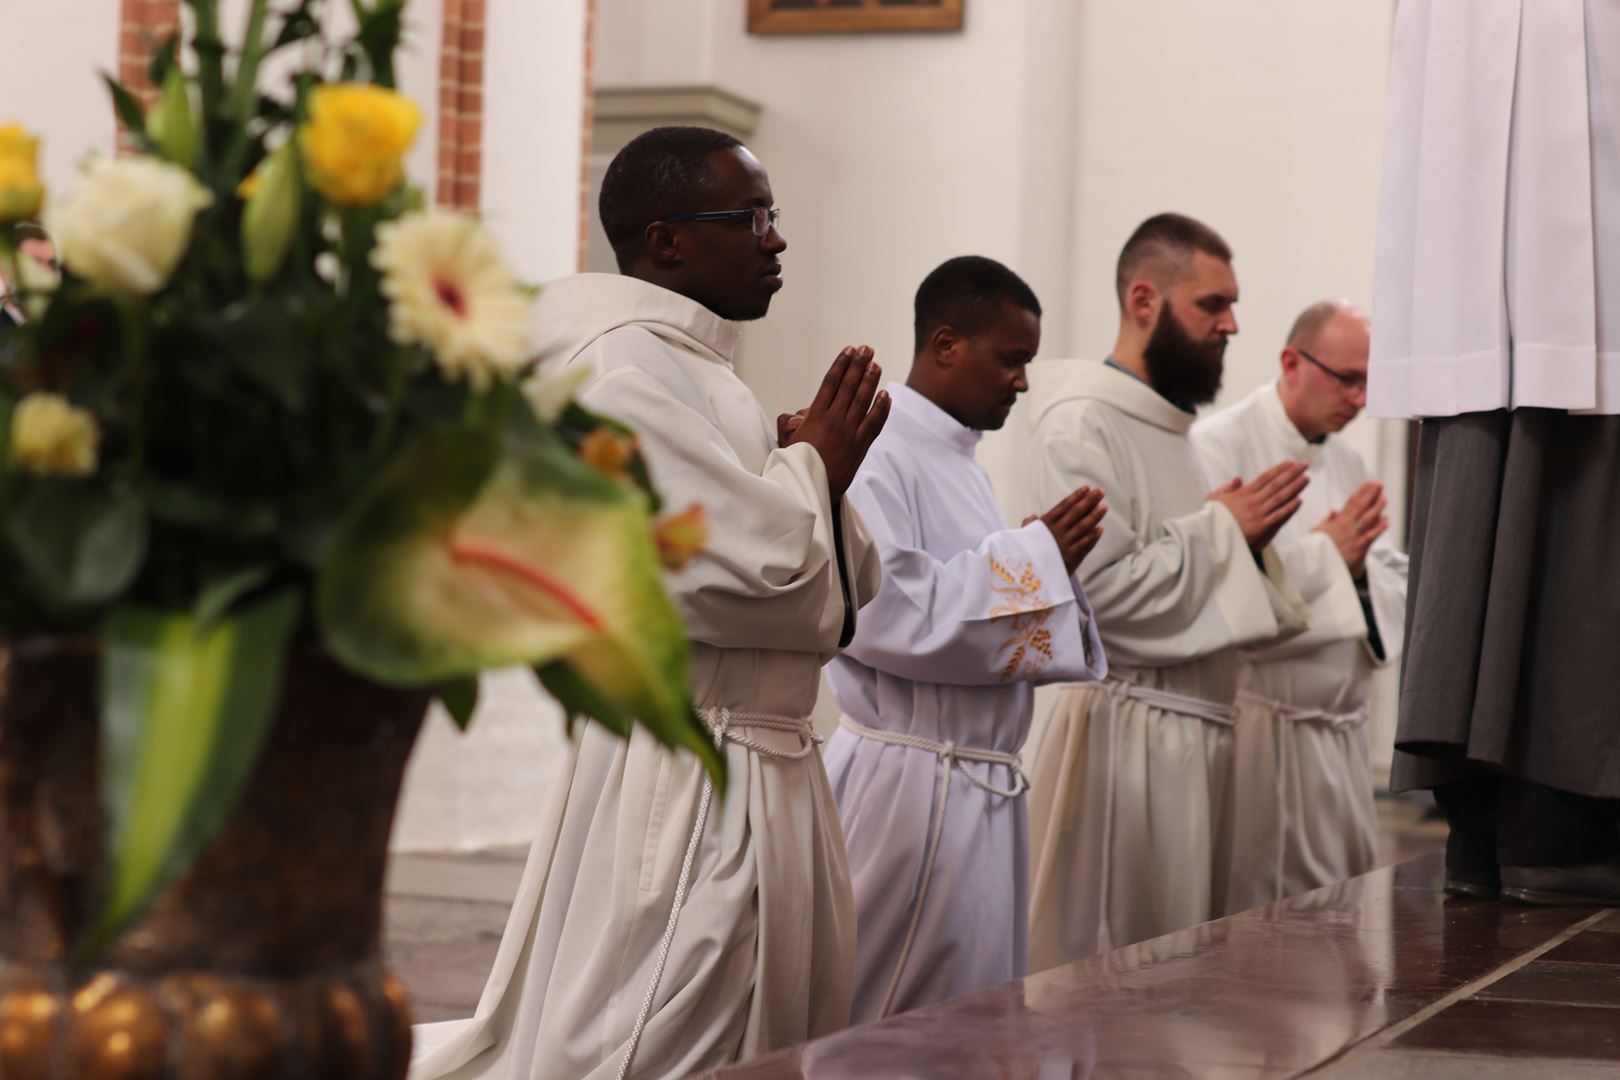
355 141
21 192
52 438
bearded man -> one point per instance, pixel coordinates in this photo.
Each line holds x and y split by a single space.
1130 794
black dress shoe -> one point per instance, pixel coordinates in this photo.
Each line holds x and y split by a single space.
1473 886
1588 885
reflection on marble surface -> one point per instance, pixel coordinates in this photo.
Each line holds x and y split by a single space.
1268 993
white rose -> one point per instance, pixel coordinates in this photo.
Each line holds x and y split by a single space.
128 224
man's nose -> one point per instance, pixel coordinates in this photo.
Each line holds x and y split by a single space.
773 242
1228 324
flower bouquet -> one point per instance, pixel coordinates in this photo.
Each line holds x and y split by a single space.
273 406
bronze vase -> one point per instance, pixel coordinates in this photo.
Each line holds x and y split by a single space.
263 959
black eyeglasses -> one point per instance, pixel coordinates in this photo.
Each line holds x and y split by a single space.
765 218
1351 383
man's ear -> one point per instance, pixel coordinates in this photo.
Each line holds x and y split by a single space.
661 242
1290 363
1142 303
944 344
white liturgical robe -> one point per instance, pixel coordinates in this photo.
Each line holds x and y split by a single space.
1304 790
936 691
761 953
1130 793
1496 275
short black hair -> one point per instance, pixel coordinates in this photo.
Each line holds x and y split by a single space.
966 293
656 173
1163 246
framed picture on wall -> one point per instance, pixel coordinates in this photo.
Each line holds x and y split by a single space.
844 16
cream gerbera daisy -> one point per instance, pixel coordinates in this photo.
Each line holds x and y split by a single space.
449 289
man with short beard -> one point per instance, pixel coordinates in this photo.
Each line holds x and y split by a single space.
1129 796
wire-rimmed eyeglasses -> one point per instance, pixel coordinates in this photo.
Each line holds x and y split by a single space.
1350 383
764 218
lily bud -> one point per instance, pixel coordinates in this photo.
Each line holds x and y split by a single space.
271 214
170 122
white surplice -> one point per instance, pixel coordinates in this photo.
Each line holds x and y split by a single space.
970 616
1496 279
1304 792
763 949
1130 789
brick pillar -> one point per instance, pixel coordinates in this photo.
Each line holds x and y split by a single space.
143 25
461 103
589 119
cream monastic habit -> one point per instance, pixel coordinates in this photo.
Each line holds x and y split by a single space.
936 691
1304 791
761 953
1131 791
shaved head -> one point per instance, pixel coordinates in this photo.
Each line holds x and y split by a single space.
1324 367
1161 250
1308 327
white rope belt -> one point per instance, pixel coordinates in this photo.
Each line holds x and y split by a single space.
1119 690
951 758
1299 714
1287 716
725 725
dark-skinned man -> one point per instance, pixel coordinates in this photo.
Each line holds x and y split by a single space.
1129 796
936 689
660 931
1303 794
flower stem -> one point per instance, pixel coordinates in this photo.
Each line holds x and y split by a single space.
210 52
133 333
240 106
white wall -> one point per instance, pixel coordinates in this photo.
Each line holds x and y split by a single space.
1263 118
1041 135
51 54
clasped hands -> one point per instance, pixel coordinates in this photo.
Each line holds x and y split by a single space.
842 421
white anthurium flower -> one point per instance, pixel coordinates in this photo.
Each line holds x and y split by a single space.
129 223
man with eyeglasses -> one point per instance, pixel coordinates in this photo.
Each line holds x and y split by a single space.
661 929
1303 805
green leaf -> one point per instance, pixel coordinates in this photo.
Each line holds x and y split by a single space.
127 106
580 700
460 700
184 715
218 595
81 544
163 59
300 24
379 30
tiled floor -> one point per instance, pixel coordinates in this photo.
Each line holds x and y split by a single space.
443 922
446 912
1382 976
1378 977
